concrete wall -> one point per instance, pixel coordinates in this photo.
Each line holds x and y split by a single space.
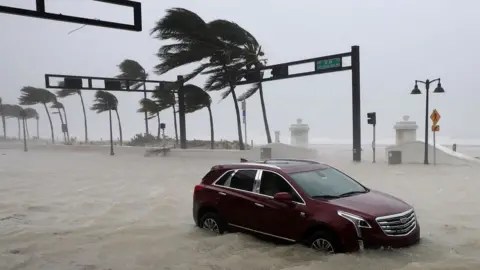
413 152
278 151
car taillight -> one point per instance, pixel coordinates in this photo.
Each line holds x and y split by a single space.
198 188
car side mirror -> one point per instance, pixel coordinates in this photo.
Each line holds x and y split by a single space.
283 197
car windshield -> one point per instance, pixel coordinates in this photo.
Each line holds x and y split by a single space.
327 183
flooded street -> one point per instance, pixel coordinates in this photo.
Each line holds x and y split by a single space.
90 211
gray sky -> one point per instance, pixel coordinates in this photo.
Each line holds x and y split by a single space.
399 42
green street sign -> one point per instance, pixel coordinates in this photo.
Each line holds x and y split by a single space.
328 63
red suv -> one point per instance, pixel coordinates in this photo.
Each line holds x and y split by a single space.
305 202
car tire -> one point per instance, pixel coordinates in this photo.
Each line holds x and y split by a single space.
325 242
211 221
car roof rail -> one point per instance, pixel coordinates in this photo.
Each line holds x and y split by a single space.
290 160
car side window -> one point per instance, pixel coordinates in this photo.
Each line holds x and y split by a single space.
272 183
242 179
223 180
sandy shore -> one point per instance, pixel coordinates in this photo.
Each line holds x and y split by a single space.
86 210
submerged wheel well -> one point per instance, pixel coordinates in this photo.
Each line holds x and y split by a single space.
319 227
206 209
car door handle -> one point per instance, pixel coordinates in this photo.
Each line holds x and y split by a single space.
222 193
259 205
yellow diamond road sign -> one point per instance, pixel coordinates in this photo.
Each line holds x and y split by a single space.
435 116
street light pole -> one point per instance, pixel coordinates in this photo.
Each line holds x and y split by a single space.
417 91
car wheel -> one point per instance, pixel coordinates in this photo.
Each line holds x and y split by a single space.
324 242
212 222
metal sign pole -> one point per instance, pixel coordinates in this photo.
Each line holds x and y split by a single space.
373 143
434 150
244 112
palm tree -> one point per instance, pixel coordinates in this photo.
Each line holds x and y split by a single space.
258 87
23 116
2 115
59 106
165 98
37 117
105 101
15 111
69 92
131 69
197 99
221 42
31 113
152 109
31 96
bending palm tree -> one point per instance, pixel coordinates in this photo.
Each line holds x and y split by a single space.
15 111
2 115
152 109
131 69
221 42
31 113
197 99
57 105
32 96
23 116
105 101
165 98
258 87
69 92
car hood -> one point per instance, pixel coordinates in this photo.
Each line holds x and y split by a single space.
373 203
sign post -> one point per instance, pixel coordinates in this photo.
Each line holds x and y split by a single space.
372 120
435 117
244 114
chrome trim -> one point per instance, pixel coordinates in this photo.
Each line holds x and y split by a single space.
405 228
256 184
254 164
218 178
234 172
256 189
259 204
395 215
272 235
293 188
309 161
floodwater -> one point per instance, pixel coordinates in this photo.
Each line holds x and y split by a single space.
90 211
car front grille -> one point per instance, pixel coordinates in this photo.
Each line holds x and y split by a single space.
398 224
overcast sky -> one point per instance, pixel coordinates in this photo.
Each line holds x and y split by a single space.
399 42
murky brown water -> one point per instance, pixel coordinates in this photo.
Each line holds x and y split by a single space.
90 211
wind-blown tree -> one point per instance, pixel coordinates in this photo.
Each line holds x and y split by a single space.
152 109
105 101
13 111
23 116
131 69
59 106
2 115
31 113
32 96
197 99
69 92
165 98
257 87
221 42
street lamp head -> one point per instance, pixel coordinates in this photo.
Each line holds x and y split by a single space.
439 89
415 90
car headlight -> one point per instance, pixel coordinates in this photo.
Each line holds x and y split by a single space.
357 221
